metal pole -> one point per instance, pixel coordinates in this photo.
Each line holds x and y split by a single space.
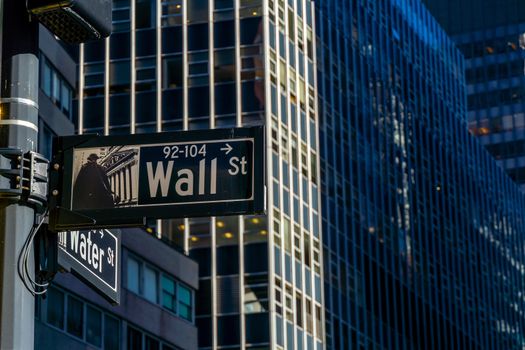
18 129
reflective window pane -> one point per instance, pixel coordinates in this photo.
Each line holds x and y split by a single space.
75 317
150 284
55 308
93 326
133 275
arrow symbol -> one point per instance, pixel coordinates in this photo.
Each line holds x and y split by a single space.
228 148
101 233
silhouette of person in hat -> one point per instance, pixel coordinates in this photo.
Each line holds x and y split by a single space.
92 189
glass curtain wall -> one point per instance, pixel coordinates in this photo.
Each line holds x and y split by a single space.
423 232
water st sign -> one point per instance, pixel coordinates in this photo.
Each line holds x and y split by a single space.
93 256
121 180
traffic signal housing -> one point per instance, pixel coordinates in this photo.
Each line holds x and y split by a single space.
74 21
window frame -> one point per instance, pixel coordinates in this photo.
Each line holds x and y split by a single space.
160 274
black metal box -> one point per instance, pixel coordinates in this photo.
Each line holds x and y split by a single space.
74 21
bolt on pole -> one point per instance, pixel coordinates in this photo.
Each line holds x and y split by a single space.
18 130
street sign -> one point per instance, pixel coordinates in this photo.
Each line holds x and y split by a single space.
117 181
94 256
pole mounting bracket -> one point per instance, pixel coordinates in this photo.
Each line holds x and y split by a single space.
24 177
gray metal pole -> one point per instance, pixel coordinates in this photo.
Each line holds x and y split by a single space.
18 129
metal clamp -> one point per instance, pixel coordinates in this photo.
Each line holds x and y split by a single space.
24 177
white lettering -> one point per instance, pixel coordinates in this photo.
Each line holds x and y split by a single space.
187 181
95 256
202 175
243 166
159 178
62 239
101 256
213 179
89 242
74 241
83 246
235 169
88 250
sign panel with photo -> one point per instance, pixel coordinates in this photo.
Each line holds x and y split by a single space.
166 175
103 177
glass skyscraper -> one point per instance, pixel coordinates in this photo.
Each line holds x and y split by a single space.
422 231
194 64
491 36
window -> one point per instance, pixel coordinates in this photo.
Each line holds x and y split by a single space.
224 65
145 70
54 86
75 317
96 327
93 326
55 308
111 333
256 296
120 18
168 294
140 340
256 258
45 140
134 339
298 310
144 279
198 37
185 302
197 11
171 12
257 330
45 79
133 275
150 284
93 75
152 343
228 330
145 14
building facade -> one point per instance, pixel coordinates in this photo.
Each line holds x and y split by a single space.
196 64
156 310
422 231
491 36
159 282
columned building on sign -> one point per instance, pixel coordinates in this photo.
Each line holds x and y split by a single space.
121 166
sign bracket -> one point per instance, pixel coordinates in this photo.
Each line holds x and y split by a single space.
69 220
63 219
23 177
